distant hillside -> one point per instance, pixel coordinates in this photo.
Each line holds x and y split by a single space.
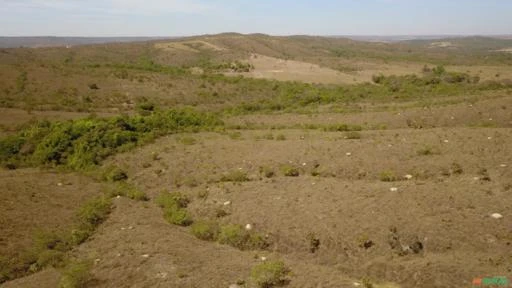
33 42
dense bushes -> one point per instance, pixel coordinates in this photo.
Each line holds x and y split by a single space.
84 143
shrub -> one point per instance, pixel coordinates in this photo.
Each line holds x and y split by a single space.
290 171
238 237
173 205
127 190
270 274
94 212
266 171
205 230
235 176
388 176
115 174
76 275
177 216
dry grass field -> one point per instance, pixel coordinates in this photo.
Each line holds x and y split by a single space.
255 161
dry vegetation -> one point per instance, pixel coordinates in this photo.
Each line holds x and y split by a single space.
167 163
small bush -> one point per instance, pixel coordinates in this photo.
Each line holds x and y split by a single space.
127 190
115 174
177 216
174 205
270 274
95 211
76 275
235 176
238 237
205 230
388 176
266 171
290 171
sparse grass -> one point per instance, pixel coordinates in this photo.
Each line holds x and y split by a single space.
238 237
76 275
270 274
388 176
235 176
290 170
173 205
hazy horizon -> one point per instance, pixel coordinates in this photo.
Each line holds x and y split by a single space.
178 18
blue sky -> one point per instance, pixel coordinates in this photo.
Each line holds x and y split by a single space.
192 17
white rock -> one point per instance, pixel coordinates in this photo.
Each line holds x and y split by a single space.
393 189
408 176
489 138
145 256
304 164
497 216
118 196
503 165
349 154
263 258
59 184
357 284
248 227
227 203
446 141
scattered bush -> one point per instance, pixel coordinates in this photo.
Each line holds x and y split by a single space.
173 205
266 171
388 176
270 274
124 189
290 171
114 174
235 176
238 237
205 230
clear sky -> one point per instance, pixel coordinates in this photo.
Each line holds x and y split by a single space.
278 17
